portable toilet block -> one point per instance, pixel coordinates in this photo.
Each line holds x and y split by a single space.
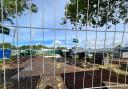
7 53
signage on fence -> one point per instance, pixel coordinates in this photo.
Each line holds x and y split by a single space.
75 40
5 30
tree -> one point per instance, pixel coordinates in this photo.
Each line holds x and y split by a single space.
9 10
60 48
7 45
35 47
108 12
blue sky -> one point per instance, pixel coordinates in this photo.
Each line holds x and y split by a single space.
49 16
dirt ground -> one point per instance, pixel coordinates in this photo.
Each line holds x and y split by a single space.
63 79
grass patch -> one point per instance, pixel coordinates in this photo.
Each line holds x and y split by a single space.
12 59
7 61
114 69
1 61
119 71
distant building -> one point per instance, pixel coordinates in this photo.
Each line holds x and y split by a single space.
99 58
101 50
121 52
76 50
79 51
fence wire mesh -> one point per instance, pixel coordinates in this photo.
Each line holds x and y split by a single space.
63 44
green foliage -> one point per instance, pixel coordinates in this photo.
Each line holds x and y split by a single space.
13 58
35 47
60 48
7 45
24 47
98 15
38 47
7 61
1 61
9 9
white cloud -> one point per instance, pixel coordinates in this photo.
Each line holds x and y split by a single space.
38 43
58 43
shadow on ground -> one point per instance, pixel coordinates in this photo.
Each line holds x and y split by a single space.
24 83
69 79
